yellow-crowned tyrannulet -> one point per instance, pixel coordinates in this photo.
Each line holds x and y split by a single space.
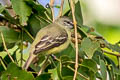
51 39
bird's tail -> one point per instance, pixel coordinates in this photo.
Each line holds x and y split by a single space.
28 62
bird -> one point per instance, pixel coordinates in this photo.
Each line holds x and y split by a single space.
51 39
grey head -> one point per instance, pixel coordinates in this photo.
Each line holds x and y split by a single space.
65 21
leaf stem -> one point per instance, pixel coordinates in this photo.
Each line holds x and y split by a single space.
78 73
21 57
3 63
43 66
6 47
28 34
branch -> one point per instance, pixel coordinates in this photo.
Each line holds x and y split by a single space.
76 38
111 53
6 47
61 8
51 6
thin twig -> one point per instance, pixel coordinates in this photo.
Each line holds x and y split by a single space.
111 53
48 16
43 66
21 57
48 21
61 8
3 64
6 47
76 38
28 34
78 73
51 6
118 59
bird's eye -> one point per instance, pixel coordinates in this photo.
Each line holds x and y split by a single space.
68 23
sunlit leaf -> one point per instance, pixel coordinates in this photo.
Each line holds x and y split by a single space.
114 47
16 73
12 37
103 70
1 8
43 77
68 78
35 24
78 14
90 64
54 74
38 7
21 9
89 47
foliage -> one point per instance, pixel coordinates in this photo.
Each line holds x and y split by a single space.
20 30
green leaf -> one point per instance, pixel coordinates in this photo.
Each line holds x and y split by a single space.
35 24
65 59
66 7
82 32
26 37
3 54
43 77
54 74
38 9
70 52
21 9
117 77
97 56
2 8
9 46
78 13
89 47
84 71
67 72
92 76
90 64
36 6
68 78
114 47
116 71
12 37
98 75
111 68
103 70
15 73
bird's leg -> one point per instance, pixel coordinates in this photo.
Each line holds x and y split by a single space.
44 65
54 57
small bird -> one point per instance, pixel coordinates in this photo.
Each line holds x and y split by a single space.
51 39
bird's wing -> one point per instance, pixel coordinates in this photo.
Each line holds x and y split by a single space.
48 42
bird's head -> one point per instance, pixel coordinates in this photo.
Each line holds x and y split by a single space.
65 21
